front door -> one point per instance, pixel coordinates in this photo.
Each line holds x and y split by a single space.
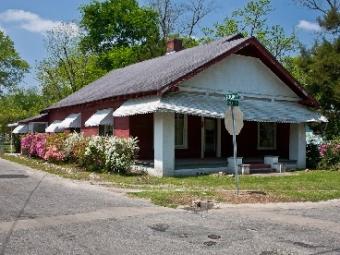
210 134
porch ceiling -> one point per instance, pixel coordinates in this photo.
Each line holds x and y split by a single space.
260 110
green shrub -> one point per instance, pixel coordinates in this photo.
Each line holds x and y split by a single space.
120 153
94 156
312 155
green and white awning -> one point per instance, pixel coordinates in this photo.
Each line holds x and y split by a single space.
260 110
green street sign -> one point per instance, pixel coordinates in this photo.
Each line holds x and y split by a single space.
232 99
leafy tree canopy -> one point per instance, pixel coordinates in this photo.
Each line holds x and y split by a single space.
318 69
66 68
18 105
12 67
252 20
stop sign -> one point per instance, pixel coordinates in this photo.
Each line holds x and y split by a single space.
228 120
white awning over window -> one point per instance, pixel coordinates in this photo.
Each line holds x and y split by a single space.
54 127
21 129
101 117
71 121
260 110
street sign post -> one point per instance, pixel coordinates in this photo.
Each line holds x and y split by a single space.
233 120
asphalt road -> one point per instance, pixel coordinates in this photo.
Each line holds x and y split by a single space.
45 214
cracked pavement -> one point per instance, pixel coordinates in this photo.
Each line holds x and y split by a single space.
45 214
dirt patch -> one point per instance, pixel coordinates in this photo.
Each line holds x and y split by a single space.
248 197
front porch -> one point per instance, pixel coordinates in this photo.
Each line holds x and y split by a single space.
184 134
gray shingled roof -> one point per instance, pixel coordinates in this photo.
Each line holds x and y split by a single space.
150 75
41 117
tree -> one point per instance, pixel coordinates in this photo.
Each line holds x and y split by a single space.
318 69
330 11
252 21
18 105
180 18
120 26
66 68
168 13
12 67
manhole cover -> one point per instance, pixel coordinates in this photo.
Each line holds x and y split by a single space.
209 243
160 227
213 236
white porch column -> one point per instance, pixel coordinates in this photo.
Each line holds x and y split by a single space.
297 144
164 143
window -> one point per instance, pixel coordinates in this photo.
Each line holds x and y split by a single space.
74 130
266 136
181 129
39 127
105 130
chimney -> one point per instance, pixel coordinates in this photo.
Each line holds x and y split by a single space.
174 45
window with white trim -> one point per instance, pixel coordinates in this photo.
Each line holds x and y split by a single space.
266 136
181 131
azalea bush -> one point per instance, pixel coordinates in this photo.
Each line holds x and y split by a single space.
55 147
120 153
74 146
95 153
94 156
330 155
34 145
26 143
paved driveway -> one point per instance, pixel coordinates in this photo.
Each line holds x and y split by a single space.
45 214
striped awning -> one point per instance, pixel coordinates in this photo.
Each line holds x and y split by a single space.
71 121
21 129
260 110
54 127
101 117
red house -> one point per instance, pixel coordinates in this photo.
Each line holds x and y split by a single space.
175 105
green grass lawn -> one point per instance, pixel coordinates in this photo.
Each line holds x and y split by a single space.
172 191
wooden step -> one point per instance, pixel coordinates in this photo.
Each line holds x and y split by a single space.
260 168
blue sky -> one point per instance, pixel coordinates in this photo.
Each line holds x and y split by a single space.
25 21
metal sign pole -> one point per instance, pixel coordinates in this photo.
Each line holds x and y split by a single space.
235 154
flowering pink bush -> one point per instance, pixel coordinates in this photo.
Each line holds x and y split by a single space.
53 154
26 143
323 149
40 145
330 155
34 145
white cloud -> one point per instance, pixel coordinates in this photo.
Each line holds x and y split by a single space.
29 20
309 26
2 30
